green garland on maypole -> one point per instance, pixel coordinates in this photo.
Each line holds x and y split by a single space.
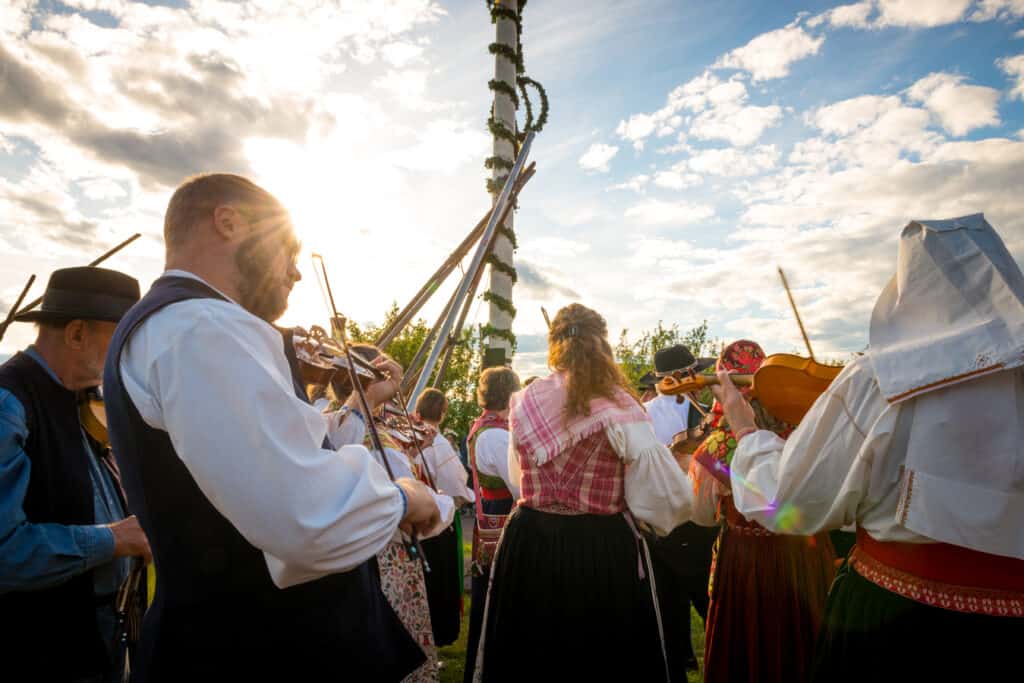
501 131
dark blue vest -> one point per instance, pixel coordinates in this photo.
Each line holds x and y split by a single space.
216 612
59 491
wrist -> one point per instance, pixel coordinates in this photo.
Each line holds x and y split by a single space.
405 499
744 431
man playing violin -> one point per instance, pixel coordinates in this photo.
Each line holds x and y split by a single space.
918 443
681 560
263 534
65 537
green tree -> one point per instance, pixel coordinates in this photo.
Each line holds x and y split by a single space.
637 358
460 379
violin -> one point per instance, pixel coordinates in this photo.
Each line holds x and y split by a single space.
93 415
786 385
322 362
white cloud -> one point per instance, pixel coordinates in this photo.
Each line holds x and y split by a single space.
855 15
401 53
1019 34
923 13
676 178
636 128
637 183
658 212
960 108
444 146
720 112
732 162
741 126
986 10
102 189
770 54
596 158
1014 67
846 116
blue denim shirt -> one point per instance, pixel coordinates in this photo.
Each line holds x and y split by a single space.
34 556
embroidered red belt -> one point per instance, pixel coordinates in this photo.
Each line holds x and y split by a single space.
943 575
495 494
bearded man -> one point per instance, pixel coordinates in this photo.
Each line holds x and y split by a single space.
263 535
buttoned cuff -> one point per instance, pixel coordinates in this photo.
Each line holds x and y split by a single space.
96 542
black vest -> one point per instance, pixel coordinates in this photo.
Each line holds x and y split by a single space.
216 612
37 624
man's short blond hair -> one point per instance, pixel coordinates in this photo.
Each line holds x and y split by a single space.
197 197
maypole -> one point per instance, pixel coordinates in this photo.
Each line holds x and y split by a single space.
508 79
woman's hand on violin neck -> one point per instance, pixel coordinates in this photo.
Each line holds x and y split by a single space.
383 391
737 411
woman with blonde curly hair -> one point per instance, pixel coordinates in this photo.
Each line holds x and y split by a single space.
570 595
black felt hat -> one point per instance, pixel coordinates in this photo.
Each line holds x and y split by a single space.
672 359
85 293
648 381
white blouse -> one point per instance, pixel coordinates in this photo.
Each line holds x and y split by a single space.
491 453
449 474
840 467
658 492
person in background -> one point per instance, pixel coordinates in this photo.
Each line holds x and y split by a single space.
494 491
444 552
767 589
66 539
682 559
920 443
571 597
264 534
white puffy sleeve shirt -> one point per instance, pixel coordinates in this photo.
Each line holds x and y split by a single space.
215 378
840 467
491 452
400 467
449 474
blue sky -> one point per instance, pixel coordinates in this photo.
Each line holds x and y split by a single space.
692 146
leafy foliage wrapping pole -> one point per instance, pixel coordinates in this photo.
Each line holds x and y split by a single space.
460 379
509 86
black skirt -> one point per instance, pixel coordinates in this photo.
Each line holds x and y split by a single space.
871 634
444 585
567 603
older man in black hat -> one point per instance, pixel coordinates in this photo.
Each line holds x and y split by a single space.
65 537
681 560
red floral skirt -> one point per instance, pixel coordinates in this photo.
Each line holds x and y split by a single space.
768 595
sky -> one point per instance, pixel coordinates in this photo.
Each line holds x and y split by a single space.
692 147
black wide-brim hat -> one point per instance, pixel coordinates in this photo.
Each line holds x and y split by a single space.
678 358
85 293
671 359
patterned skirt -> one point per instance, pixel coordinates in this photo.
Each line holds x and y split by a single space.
768 594
403 584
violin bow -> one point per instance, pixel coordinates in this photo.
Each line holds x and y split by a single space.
416 442
14 309
544 312
413 547
799 322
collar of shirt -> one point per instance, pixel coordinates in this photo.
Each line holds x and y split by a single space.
33 353
175 272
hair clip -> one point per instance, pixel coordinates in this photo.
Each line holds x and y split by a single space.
573 331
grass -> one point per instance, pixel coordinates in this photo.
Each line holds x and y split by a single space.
453 656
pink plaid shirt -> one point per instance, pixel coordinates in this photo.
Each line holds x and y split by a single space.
589 477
